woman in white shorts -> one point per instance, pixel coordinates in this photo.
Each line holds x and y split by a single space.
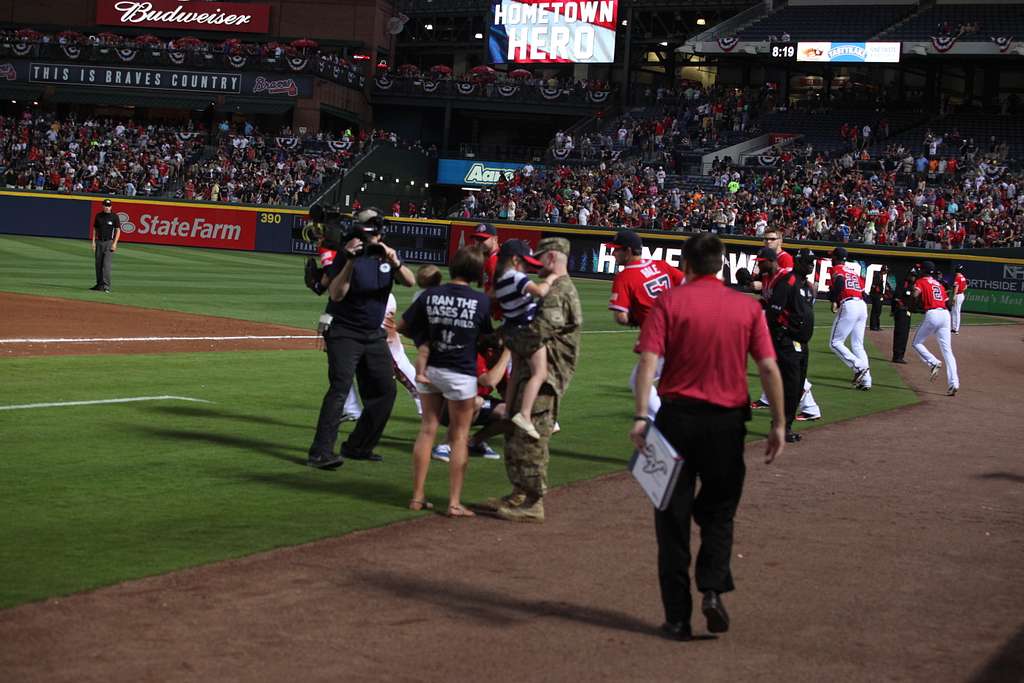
448 319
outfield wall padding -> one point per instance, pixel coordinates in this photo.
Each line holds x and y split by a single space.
996 275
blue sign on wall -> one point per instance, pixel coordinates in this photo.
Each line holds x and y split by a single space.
474 173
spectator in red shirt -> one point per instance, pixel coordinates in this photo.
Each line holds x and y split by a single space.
704 332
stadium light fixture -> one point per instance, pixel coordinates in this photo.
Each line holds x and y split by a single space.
663 43
702 21
478 36
14 101
625 22
35 104
412 182
426 186
429 27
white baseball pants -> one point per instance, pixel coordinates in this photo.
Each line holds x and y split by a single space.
807 403
958 303
850 321
408 373
653 400
936 322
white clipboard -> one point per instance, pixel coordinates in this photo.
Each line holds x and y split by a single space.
656 468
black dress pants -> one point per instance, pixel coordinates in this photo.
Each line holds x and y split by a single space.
793 368
710 439
900 333
371 363
875 322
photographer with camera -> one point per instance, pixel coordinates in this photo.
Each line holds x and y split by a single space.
356 344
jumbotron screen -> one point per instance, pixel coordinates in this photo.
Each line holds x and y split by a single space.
550 31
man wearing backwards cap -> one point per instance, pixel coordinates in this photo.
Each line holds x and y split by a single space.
847 295
106 231
634 290
557 322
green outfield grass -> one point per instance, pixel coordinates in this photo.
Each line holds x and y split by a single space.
99 494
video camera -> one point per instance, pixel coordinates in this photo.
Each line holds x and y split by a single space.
337 228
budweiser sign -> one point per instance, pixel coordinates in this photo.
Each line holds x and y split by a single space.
184 14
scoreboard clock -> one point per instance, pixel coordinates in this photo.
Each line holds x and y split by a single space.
782 52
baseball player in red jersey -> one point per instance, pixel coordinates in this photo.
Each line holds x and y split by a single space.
487 237
960 293
634 290
934 299
773 241
847 295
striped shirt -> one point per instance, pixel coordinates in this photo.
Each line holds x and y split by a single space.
518 307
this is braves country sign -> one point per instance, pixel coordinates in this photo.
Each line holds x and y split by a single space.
185 14
531 31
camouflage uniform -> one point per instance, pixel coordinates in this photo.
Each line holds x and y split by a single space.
558 322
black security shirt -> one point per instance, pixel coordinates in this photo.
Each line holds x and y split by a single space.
450 317
361 313
105 224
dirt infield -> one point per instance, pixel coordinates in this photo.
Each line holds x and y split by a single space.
884 548
39 317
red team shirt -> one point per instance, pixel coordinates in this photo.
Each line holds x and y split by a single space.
851 282
638 285
933 293
705 314
784 259
960 283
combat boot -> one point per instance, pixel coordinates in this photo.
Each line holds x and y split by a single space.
527 512
511 500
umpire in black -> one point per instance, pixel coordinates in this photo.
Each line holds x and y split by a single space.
789 302
356 344
902 303
877 298
106 231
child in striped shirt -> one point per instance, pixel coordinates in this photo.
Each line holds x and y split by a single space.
517 295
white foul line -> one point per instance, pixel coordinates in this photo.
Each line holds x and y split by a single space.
95 340
133 399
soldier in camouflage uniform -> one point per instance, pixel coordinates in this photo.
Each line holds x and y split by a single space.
558 322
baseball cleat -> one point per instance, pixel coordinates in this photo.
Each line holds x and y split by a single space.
934 373
807 417
758 404
858 375
956 331
952 391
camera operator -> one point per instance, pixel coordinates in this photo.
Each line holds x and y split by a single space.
789 310
355 342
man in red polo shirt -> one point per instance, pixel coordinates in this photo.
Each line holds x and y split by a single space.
487 237
704 332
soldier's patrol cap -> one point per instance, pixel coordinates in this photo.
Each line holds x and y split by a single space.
559 244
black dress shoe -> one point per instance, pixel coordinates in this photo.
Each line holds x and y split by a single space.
793 437
677 630
714 612
97 288
328 462
370 457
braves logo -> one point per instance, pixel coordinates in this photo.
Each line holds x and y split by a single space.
285 86
652 463
7 72
657 286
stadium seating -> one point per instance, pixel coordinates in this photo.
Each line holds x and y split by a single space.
832 22
979 22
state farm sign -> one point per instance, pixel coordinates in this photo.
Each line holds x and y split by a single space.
184 14
185 226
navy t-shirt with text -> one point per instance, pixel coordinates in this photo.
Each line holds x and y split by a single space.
450 317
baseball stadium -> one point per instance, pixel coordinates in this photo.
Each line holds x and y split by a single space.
630 340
